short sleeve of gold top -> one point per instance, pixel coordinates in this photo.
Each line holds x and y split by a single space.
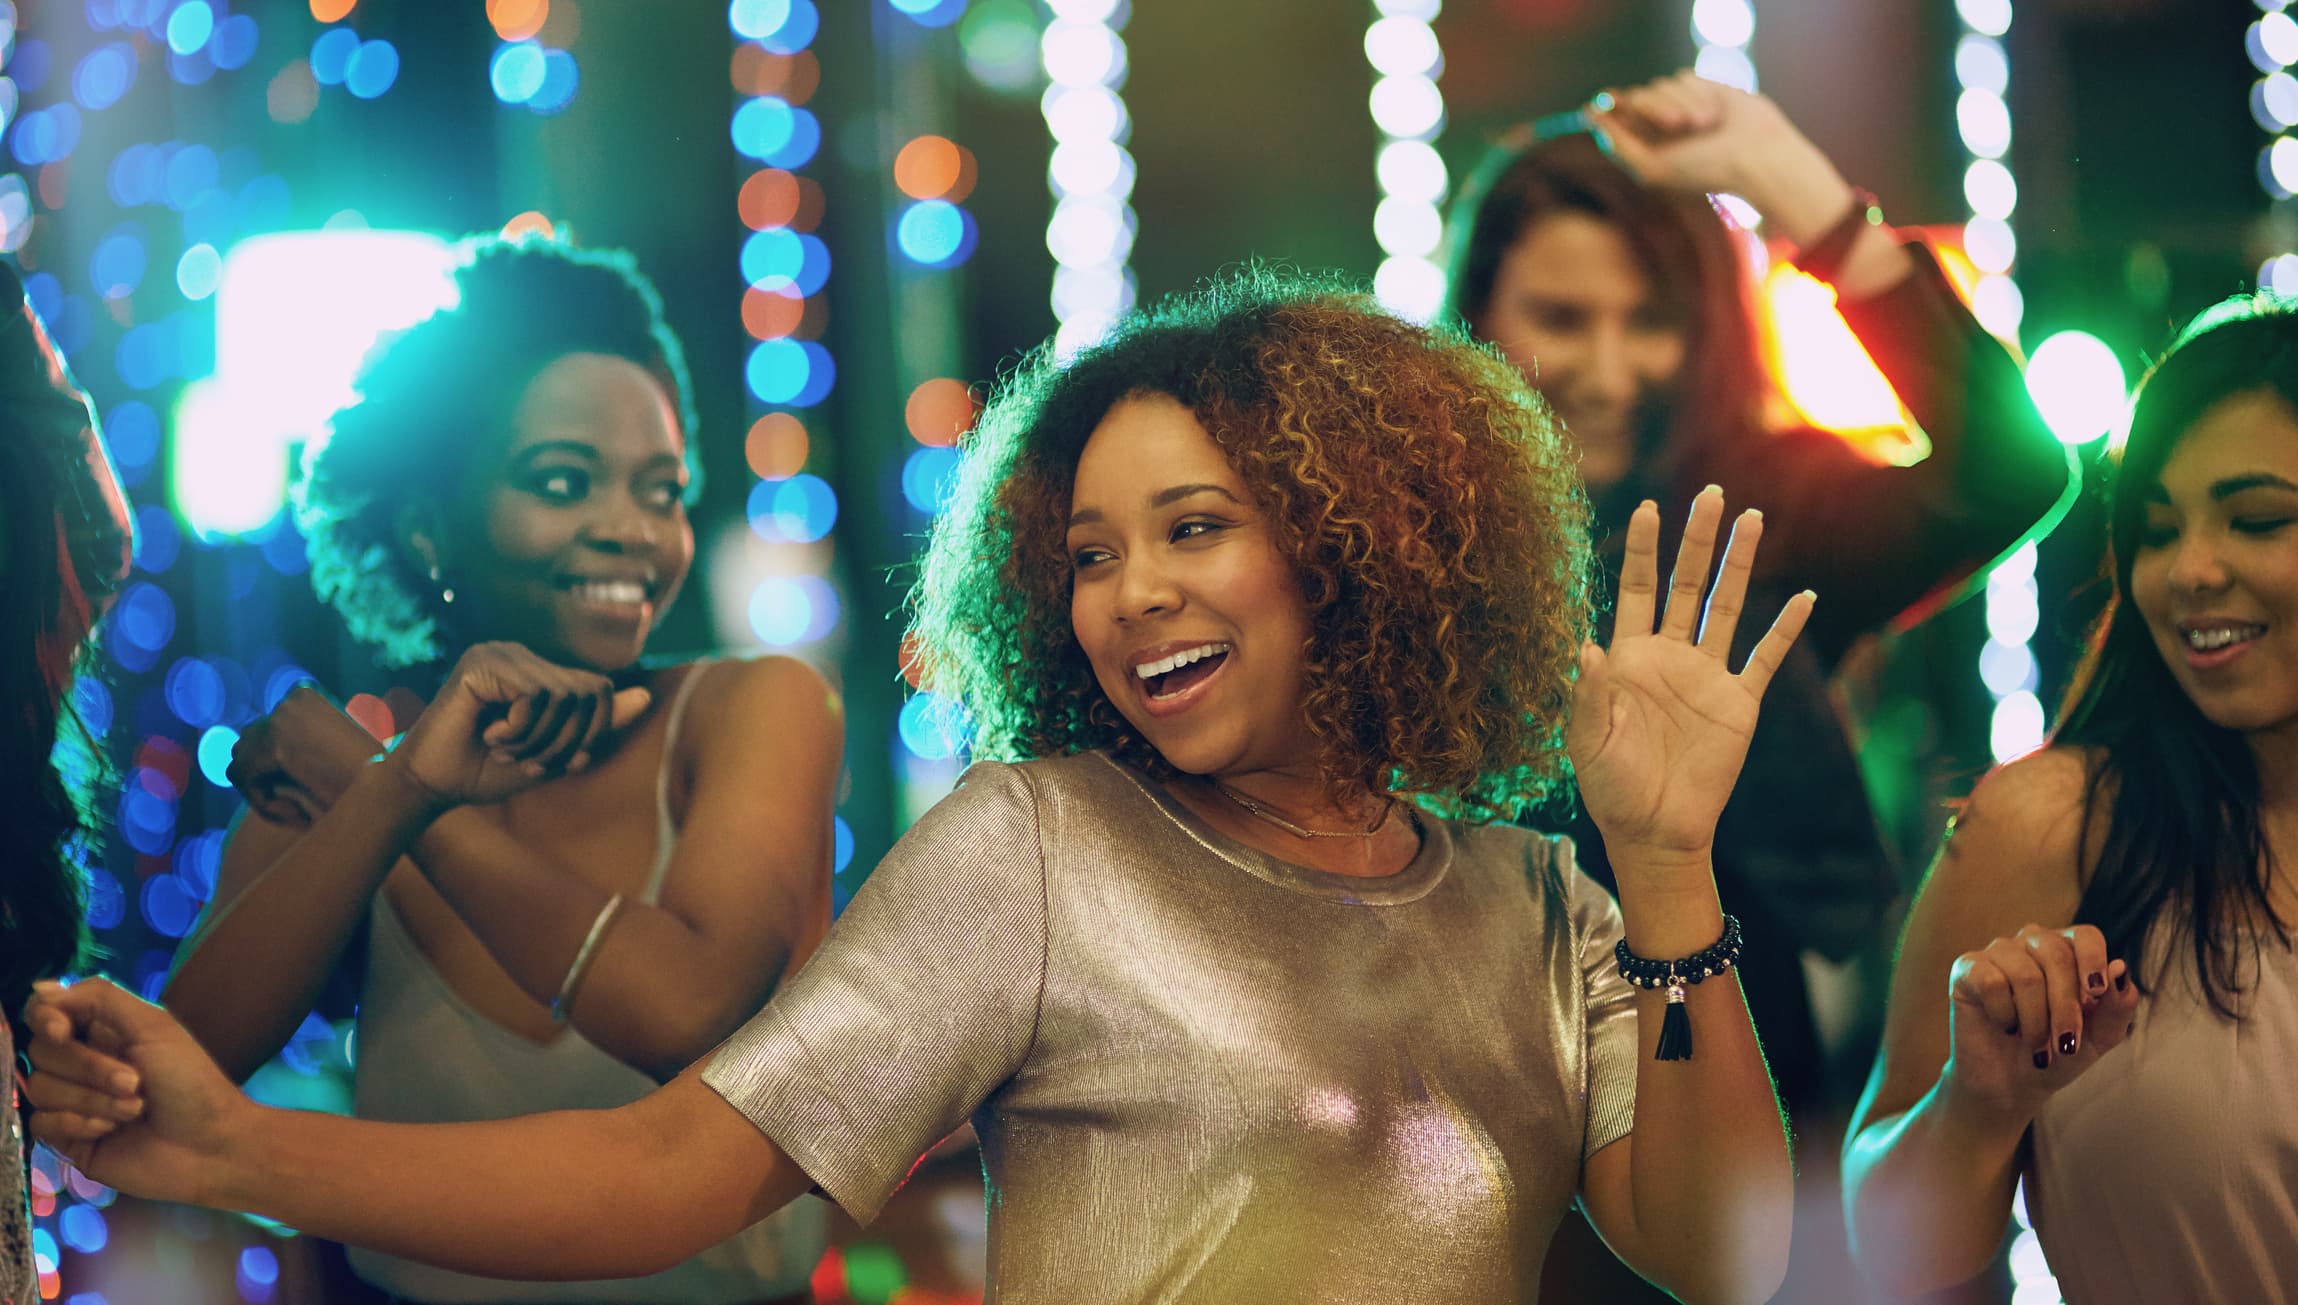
1200 1073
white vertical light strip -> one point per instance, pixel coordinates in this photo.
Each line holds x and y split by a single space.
2272 43
1983 120
1722 29
1409 110
1091 174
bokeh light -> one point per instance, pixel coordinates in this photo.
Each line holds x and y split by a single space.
2078 385
939 412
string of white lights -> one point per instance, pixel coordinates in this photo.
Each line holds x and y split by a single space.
1408 109
1091 174
1722 29
2272 43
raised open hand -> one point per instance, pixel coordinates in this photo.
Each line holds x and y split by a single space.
1660 723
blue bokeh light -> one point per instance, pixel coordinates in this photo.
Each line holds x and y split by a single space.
561 78
787 610
936 233
928 476
263 204
778 258
795 373
235 40
107 905
374 66
158 541
192 69
841 845
189 27
198 860
280 683
934 727
215 747
516 71
92 703
932 13
117 266
801 508
331 55
191 173
195 693
168 906
30 65
104 76
258 1264
147 822
81 1227
145 617
199 272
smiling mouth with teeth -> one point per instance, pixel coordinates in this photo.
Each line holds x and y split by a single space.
1168 676
2221 636
616 592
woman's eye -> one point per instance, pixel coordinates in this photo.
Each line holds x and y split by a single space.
561 484
1087 557
1193 529
2260 525
665 497
2154 534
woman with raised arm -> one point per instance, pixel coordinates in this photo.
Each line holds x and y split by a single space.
508 493
1268 605
65 548
2096 991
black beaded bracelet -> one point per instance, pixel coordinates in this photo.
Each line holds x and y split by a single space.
1676 976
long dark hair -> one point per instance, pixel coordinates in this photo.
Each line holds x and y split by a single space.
2182 836
43 928
1687 254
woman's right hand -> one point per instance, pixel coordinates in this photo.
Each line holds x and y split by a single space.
505 720
2031 1013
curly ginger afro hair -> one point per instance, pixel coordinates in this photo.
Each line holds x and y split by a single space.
1433 509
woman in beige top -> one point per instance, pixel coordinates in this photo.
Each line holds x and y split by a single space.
2127 876
1276 601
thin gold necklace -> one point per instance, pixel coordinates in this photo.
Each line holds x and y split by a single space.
1261 812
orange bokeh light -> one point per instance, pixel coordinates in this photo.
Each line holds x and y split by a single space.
940 411
332 11
562 26
776 446
934 167
768 199
518 20
772 314
790 77
530 223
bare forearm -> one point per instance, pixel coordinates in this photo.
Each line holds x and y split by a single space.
249 975
1927 1192
1712 1181
655 994
542 1197
1799 190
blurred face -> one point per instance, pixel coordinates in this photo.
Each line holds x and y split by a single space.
1192 619
573 538
2215 574
1572 307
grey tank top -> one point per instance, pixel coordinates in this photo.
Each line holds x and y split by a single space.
2169 1172
425 1056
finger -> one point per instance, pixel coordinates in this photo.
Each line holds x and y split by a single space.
1980 985
2063 988
581 704
2030 996
1639 574
73 1060
1625 142
68 1133
1729 598
1693 555
1590 721
1777 642
1651 107
49 1092
558 723
628 706
2114 1017
2090 953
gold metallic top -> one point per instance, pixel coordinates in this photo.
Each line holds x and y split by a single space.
1200 1073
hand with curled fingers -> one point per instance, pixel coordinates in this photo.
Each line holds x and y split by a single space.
1660 723
121 1090
1686 133
294 763
505 720
2031 1013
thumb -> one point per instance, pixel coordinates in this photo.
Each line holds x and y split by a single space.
628 705
1584 732
99 1004
1619 140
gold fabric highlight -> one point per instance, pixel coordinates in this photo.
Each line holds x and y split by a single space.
1200 1073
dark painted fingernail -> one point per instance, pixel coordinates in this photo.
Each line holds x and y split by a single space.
2014 1029
2132 1029
2097 981
2122 983
2066 1044
2043 1059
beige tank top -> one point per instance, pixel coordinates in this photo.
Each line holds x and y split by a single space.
2169 1172
426 1056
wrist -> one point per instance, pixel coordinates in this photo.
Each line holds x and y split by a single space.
233 1177
1798 191
1980 1116
407 794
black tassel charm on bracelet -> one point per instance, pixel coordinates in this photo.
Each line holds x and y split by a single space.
1678 976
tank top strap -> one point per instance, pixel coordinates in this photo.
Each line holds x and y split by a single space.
666 826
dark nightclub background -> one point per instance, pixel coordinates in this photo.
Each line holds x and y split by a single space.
858 211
